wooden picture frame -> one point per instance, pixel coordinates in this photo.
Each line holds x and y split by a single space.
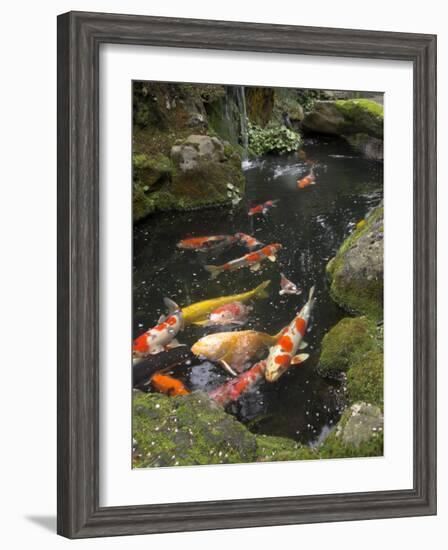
79 38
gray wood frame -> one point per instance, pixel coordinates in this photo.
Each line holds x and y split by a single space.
79 38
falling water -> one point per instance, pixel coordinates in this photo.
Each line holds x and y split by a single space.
241 99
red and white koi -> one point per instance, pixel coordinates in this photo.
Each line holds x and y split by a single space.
283 354
235 313
262 208
231 391
204 244
162 336
252 260
287 286
248 241
310 179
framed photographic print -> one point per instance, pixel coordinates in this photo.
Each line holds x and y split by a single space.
246 273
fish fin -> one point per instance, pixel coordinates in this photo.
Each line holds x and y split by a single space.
281 292
260 290
170 305
272 258
214 270
162 319
203 323
227 367
255 267
174 344
298 359
303 344
156 349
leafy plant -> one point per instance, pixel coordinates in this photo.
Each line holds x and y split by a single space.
275 139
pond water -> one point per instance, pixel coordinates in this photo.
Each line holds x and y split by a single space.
311 224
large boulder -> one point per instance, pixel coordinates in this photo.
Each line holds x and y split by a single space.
356 272
345 117
195 149
361 423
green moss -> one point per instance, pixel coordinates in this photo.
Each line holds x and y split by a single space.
361 116
365 378
346 343
259 105
270 449
148 170
361 295
187 430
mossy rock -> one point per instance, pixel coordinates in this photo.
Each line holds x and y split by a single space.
346 343
356 272
345 117
187 430
149 170
259 104
365 378
359 433
271 449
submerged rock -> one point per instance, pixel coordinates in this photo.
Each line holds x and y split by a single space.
370 147
356 272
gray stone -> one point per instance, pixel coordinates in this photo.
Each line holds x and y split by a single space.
363 421
195 149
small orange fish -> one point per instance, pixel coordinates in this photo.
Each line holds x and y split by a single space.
166 384
310 179
248 241
203 244
262 208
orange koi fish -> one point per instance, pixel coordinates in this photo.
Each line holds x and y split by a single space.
283 354
203 244
262 208
252 260
166 384
248 241
231 391
310 179
162 336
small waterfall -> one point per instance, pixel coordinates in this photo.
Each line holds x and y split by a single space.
241 100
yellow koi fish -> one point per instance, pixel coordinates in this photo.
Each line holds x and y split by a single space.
234 349
198 313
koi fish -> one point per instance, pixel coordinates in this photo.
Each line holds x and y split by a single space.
233 349
252 260
262 208
310 179
248 241
171 359
235 313
231 391
283 354
287 286
169 385
162 336
203 244
195 313
361 224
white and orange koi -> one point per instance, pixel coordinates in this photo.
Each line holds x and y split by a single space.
162 336
262 208
204 244
287 286
235 313
283 354
250 242
310 179
252 260
231 391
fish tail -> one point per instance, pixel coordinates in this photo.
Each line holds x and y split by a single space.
170 305
311 294
214 270
260 290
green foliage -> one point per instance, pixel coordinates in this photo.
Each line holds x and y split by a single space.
275 139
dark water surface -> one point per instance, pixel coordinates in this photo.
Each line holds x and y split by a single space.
311 224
